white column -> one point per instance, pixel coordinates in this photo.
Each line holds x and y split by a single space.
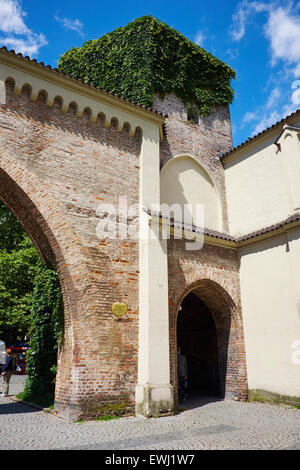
154 394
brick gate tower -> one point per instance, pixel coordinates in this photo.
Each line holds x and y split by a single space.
71 151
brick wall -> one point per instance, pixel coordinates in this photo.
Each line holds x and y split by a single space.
205 141
56 170
212 273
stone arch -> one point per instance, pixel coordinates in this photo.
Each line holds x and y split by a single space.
43 219
58 102
10 84
42 96
26 89
184 180
229 330
87 113
72 108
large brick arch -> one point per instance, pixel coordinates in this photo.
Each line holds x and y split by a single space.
57 168
211 275
43 219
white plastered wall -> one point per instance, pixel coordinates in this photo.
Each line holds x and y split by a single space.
261 183
153 391
270 291
263 188
184 181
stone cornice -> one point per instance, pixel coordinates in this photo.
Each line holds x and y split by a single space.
225 240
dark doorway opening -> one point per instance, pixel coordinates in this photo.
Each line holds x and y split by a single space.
197 338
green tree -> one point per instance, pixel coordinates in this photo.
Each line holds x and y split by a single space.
11 231
17 273
19 262
30 303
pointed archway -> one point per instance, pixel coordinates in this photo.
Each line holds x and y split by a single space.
197 339
209 331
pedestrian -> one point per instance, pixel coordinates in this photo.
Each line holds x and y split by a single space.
182 375
6 372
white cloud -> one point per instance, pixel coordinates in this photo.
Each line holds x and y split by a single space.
283 32
11 17
266 120
238 27
17 35
200 38
289 109
275 108
242 16
295 98
273 98
67 23
296 71
264 116
281 28
232 53
249 117
29 46
295 84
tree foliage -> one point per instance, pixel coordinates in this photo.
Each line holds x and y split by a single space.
12 233
19 262
30 304
147 57
46 334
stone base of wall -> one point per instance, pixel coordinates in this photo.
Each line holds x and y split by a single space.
265 396
96 407
154 401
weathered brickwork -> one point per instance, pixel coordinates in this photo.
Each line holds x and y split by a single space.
205 141
55 171
212 274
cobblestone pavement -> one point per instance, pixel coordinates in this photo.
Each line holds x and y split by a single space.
215 425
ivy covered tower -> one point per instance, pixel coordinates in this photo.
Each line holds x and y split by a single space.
147 57
156 67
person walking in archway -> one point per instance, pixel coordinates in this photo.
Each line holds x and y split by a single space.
182 375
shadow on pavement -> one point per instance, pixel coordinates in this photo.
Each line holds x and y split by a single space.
196 400
15 408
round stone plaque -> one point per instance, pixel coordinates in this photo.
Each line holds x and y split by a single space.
119 309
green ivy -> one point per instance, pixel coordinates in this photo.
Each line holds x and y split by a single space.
30 303
147 57
46 334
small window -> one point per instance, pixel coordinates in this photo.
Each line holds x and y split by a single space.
193 116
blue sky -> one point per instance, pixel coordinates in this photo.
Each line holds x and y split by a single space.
260 40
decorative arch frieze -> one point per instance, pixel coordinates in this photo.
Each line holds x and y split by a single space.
23 76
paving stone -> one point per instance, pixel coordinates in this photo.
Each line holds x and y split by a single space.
215 425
